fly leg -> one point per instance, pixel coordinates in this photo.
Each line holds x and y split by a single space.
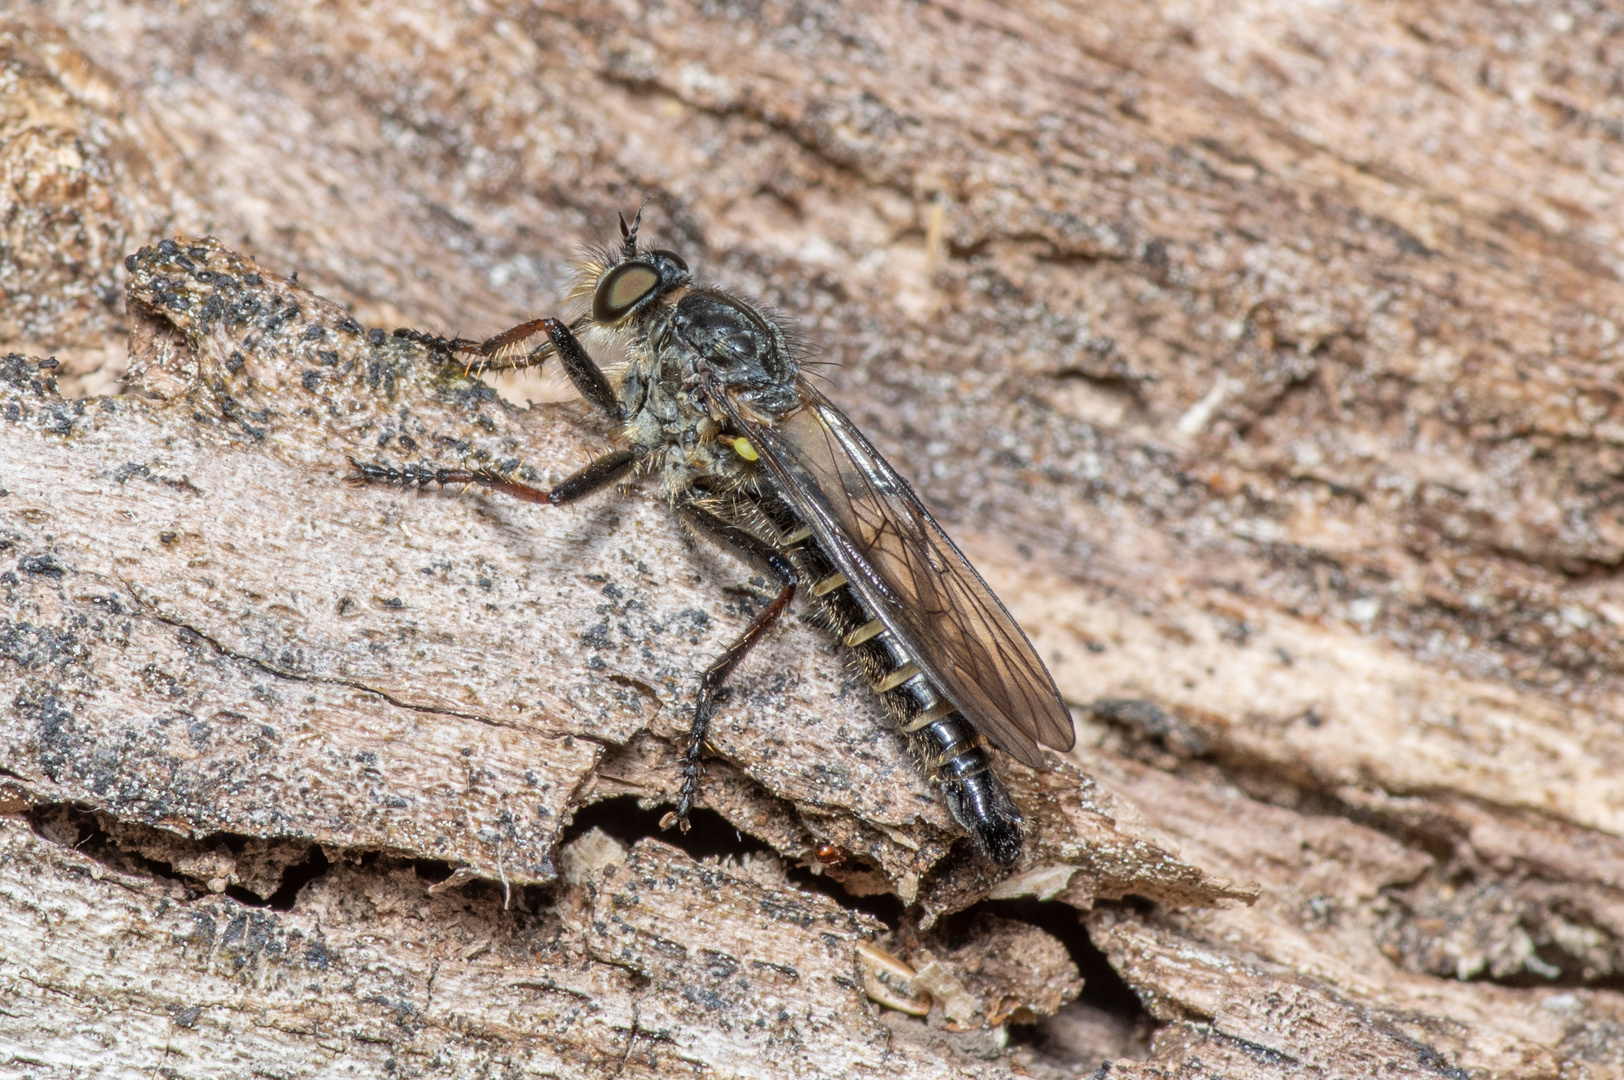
508 351
597 474
715 675
498 352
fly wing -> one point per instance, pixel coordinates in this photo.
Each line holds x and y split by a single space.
914 579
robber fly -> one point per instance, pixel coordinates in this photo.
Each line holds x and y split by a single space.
712 400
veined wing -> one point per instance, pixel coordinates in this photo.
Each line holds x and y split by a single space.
911 576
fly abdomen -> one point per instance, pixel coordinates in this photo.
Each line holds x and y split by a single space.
953 756
942 740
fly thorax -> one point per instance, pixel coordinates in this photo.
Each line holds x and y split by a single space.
736 346
666 409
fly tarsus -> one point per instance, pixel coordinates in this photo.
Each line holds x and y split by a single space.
421 476
597 474
500 352
517 348
435 342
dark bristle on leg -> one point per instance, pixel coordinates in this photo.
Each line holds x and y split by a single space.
421 476
435 342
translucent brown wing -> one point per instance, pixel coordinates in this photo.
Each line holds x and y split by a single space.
906 570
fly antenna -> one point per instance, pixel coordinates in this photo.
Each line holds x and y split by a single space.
628 233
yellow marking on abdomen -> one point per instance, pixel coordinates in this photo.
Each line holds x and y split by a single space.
929 716
742 447
803 533
898 677
829 584
869 630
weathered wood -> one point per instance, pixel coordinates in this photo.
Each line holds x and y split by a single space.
209 632
1264 361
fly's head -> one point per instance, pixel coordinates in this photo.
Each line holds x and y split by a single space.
726 345
626 285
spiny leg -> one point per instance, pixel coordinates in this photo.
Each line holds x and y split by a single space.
499 352
435 342
505 352
597 474
710 683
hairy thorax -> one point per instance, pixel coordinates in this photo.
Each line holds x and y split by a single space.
669 423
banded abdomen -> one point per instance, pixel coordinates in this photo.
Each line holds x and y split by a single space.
944 743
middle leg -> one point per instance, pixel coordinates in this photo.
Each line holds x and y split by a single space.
603 471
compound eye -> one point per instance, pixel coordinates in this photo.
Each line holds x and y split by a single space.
622 289
671 257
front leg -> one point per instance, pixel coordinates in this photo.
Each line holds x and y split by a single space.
511 350
710 684
599 473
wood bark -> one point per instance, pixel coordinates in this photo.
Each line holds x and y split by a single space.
1263 358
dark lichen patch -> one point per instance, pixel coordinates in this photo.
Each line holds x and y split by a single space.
34 647
42 564
205 289
35 378
278 333
132 470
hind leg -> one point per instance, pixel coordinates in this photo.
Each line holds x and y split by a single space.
715 676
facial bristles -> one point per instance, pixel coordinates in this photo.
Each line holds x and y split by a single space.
588 270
